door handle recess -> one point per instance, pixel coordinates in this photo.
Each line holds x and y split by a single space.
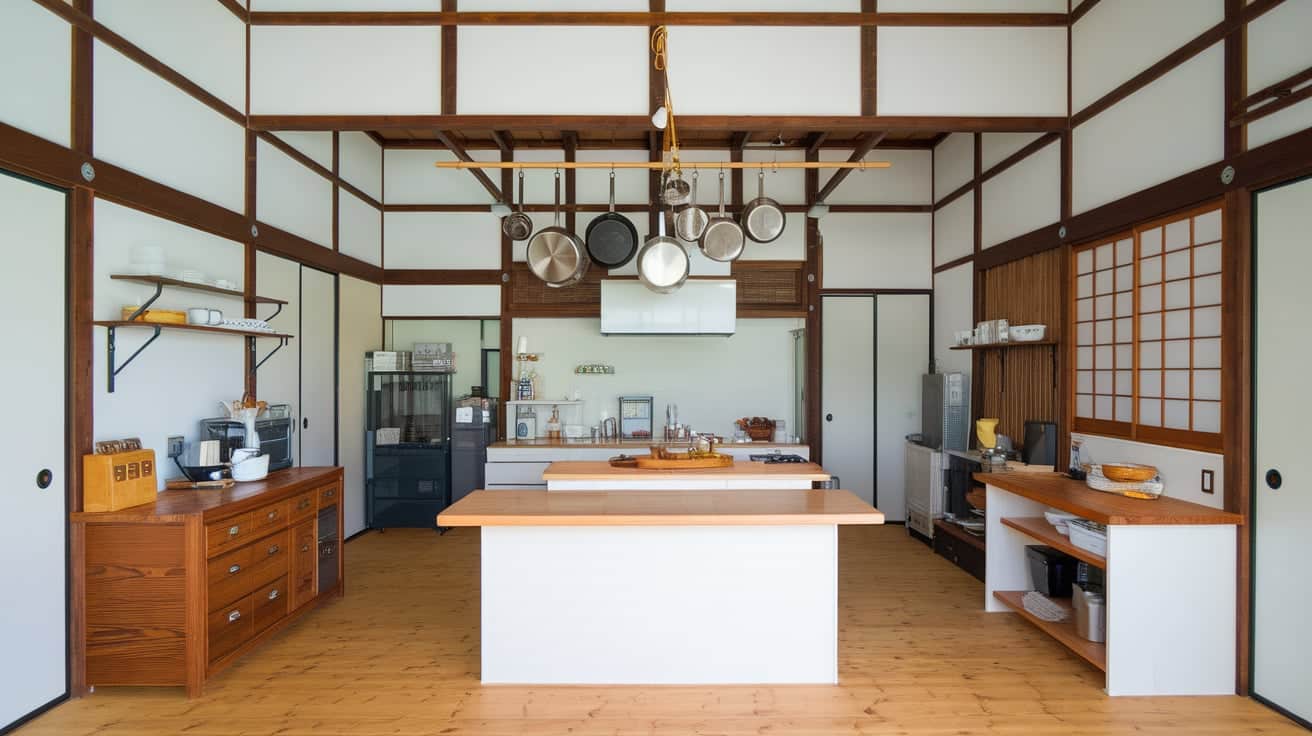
829 417
305 423
44 478
1273 479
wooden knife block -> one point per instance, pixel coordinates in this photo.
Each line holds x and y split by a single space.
113 482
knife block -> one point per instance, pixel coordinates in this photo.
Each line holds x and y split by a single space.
113 482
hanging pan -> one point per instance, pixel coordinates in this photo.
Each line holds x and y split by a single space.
556 255
612 238
517 225
722 239
690 222
763 218
663 263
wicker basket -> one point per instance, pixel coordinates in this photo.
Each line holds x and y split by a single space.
761 432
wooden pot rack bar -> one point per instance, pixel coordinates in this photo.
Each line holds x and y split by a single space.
660 165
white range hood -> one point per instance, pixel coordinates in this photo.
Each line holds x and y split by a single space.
700 307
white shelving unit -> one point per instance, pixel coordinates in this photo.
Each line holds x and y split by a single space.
512 416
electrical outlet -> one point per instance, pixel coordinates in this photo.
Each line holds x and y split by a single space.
175 446
1209 481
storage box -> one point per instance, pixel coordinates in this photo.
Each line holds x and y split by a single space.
1088 535
113 482
1052 572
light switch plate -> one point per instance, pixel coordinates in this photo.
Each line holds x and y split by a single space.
1209 481
175 446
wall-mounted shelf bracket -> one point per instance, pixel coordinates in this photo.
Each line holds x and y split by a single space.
159 289
276 312
111 369
282 343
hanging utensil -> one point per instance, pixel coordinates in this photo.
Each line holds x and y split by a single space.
722 239
612 239
663 263
556 255
763 218
674 190
690 222
517 225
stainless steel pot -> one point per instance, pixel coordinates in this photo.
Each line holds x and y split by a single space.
763 218
690 222
517 225
674 190
663 263
556 255
722 240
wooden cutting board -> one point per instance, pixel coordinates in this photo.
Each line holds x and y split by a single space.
179 485
647 462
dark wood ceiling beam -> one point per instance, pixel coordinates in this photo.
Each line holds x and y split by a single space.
638 18
859 153
687 123
504 140
738 140
478 174
237 9
813 141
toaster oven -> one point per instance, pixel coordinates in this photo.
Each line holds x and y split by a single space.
275 438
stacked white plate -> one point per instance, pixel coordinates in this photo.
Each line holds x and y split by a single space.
192 276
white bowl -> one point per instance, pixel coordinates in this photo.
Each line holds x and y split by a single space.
1058 519
1027 333
255 468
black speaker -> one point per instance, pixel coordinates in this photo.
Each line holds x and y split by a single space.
1040 444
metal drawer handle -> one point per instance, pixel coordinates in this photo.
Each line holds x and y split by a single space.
305 548
234 616
331 492
274 550
304 504
273 594
234 569
234 530
273 514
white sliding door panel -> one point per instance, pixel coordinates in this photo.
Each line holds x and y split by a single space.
908 181
847 402
1023 198
901 358
360 162
327 70
765 70
171 32
441 301
318 340
1117 39
360 229
279 379
954 164
34 637
35 97
954 230
292 197
360 330
1282 641
876 250
1178 123
977 71
606 67
148 126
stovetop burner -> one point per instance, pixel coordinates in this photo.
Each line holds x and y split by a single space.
775 458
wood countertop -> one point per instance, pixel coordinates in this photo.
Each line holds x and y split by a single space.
660 508
745 470
1058 491
634 444
178 505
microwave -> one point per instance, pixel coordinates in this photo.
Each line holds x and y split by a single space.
275 438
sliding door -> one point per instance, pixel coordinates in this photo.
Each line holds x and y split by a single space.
901 358
847 384
33 596
318 340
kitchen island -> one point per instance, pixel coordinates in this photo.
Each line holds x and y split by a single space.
660 587
743 474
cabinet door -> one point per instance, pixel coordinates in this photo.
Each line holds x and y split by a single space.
305 555
901 358
33 637
318 341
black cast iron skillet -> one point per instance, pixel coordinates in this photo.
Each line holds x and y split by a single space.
612 239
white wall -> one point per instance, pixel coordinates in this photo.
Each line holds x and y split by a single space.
360 229
360 162
1023 198
465 336
35 97
954 163
410 178
454 240
954 297
1181 469
291 197
317 144
359 331
876 250
994 147
688 371
954 230
1277 49
907 181
441 301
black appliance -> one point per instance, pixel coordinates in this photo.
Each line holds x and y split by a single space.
1052 572
776 458
475 428
275 437
407 448
328 542
960 470
1040 444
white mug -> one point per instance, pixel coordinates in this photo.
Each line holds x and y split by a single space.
216 317
198 316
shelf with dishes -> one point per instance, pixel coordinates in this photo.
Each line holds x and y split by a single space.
1039 529
1008 345
1095 653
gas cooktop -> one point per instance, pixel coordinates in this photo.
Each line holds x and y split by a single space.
775 458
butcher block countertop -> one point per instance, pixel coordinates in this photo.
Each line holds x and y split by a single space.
177 505
742 470
638 445
1058 491
660 508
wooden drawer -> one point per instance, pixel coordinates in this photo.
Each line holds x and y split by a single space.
273 516
224 535
959 551
269 558
230 627
238 573
271 603
303 506
328 495
305 562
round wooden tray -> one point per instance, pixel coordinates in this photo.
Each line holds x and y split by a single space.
647 462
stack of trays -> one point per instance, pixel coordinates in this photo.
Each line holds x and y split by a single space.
388 360
434 356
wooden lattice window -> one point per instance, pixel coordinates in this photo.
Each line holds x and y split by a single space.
1147 332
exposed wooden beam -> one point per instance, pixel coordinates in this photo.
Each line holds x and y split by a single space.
1025 152
739 140
445 276
1274 100
463 155
642 123
638 18
1082 10
867 145
381 141
504 140
236 9
813 141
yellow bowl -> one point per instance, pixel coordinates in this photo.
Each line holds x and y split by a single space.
1128 472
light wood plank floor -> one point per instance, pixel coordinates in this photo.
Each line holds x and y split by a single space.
399 655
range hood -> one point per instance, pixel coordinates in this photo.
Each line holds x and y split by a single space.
700 307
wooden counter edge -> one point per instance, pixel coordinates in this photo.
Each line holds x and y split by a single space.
1059 491
146 512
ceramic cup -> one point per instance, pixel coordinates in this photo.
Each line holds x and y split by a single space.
242 454
198 316
216 317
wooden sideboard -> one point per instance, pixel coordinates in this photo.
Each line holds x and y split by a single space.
178 589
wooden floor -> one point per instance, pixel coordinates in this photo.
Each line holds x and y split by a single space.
399 655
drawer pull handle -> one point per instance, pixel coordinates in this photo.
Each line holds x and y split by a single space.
304 504
305 548
331 493
234 616
234 569
234 530
273 514
274 550
273 594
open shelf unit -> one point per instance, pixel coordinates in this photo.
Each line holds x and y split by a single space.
1094 653
113 368
1007 345
1040 529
